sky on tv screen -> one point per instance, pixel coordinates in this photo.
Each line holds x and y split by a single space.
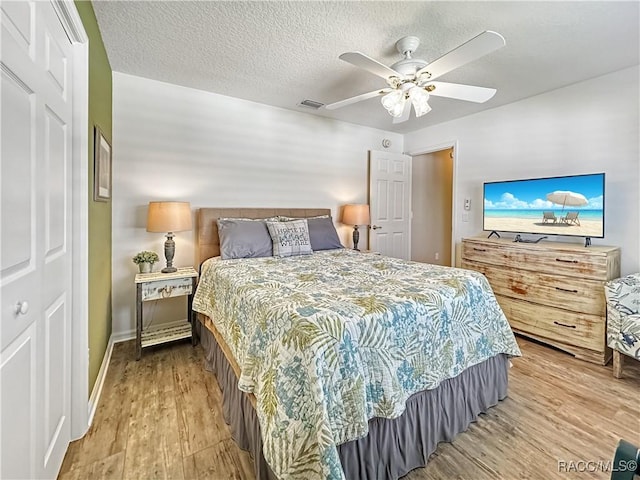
532 194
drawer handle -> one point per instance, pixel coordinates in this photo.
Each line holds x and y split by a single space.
479 249
566 261
166 291
564 324
566 290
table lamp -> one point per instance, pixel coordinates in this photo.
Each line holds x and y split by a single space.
356 214
169 217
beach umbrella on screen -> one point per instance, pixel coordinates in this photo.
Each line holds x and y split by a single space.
567 198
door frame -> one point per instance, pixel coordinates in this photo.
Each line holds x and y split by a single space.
454 207
74 28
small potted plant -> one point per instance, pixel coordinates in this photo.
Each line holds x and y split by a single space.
145 260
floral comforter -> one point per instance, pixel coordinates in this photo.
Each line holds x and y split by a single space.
330 340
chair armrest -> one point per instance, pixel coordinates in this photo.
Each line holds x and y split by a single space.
628 285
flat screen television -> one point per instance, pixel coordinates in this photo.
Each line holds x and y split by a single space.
570 205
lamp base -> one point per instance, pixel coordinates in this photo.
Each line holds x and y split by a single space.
169 251
356 237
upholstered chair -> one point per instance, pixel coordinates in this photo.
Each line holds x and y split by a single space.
623 319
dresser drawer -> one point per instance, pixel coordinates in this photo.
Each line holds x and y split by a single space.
569 293
166 288
581 330
573 261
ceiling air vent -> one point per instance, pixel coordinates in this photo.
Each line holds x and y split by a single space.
310 104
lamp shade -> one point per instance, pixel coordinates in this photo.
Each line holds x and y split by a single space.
356 214
169 217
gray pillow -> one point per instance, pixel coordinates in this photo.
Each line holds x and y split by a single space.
290 238
322 234
243 238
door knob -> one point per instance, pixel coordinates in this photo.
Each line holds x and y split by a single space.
375 227
22 308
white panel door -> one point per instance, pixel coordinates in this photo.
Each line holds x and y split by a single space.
390 203
35 240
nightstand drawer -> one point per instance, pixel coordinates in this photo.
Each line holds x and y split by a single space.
173 287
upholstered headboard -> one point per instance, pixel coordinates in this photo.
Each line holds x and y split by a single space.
208 244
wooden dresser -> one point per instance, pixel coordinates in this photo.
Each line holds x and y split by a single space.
551 291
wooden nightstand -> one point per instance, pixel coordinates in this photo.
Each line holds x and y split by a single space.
372 252
157 286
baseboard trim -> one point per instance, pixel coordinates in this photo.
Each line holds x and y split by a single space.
97 387
123 336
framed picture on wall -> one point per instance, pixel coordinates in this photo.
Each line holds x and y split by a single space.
102 168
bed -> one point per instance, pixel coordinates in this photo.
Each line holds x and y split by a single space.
341 364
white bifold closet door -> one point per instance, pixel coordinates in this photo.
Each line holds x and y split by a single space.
35 260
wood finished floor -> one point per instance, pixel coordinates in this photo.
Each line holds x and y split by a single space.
160 418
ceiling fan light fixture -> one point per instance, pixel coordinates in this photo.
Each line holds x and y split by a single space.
394 102
398 109
421 109
394 82
423 79
420 100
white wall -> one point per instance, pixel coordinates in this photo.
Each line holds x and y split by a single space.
589 127
176 143
171 142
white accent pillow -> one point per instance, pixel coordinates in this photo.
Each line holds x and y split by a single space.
290 238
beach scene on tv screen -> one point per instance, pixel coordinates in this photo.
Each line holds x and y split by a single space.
558 206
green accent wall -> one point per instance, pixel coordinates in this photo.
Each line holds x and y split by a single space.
100 114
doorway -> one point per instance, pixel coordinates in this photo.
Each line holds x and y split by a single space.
432 206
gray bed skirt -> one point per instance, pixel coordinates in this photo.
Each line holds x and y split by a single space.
393 447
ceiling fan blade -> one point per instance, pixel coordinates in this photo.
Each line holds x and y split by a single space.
405 113
468 93
361 60
357 98
469 51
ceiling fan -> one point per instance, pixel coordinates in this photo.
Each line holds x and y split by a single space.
410 81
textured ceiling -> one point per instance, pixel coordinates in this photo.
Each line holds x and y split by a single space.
280 53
